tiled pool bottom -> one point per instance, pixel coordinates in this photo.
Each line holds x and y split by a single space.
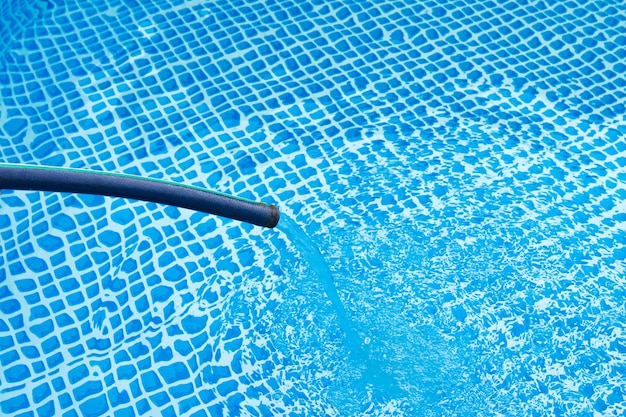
461 168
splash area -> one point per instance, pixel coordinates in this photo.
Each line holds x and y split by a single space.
451 178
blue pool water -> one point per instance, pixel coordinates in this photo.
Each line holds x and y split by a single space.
452 178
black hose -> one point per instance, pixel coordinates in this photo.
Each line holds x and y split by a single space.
42 178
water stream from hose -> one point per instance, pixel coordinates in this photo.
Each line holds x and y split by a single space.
374 374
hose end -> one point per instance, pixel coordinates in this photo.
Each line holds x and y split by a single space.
274 216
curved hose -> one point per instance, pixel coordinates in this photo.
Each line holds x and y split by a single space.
42 178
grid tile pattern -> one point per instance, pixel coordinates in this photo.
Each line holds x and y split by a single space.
461 166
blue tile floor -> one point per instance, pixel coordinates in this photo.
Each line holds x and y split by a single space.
460 166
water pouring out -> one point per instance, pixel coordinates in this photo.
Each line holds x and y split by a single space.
374 374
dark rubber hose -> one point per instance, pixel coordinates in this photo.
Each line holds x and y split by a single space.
41 178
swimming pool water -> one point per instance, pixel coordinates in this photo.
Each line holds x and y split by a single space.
460 166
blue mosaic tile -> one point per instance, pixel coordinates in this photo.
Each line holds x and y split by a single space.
458 165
